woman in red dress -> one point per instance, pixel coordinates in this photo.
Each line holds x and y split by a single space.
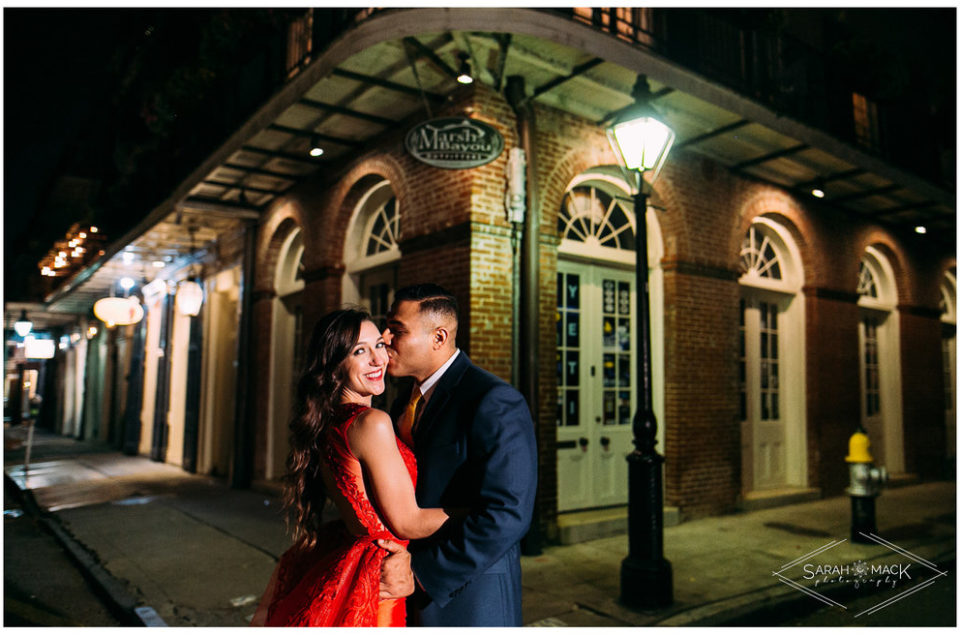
343 449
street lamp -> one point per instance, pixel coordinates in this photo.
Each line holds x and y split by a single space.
641 141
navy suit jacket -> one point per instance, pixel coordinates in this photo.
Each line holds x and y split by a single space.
475 448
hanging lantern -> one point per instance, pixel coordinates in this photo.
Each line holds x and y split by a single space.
189 297
23 326
118 311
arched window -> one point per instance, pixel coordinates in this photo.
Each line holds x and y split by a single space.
383 229
880 413
771 351
867 282
948 299
373 232
875 282
758 258
595 217
289 276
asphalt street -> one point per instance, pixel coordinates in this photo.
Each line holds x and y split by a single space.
42 586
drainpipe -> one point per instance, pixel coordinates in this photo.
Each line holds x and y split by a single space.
529 350
242 469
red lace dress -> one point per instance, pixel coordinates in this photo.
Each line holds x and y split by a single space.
337 583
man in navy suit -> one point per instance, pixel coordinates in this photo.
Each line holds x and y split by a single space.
474 441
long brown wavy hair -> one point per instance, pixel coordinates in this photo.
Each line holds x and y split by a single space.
318 393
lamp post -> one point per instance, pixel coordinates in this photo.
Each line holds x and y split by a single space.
641 142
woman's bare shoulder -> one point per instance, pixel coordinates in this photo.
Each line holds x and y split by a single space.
372 420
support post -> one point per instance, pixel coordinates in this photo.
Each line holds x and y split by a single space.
158 449
131 413
241 473
191 416
646 577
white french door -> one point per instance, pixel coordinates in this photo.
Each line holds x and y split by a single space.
763 425
596 385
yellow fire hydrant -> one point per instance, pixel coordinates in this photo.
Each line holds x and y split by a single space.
865 483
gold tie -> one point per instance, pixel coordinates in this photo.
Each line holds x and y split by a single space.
405 425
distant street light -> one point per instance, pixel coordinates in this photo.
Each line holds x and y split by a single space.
641 142
23 326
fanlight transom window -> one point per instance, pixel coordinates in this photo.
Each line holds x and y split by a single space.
948 299
383 229
867 282
758 256
289 275
876 286
595 217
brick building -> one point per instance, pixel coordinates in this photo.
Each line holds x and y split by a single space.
781 321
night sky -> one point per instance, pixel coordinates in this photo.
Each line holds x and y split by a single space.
59 77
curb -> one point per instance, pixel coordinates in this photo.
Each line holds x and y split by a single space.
111 590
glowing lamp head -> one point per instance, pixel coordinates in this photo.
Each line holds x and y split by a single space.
189 297
639 137
118 311
641 143
23 326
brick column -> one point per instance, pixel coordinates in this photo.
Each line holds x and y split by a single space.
921 359
260 358
833 385
701 419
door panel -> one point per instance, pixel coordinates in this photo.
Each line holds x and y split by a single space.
596 392
574 464
763 426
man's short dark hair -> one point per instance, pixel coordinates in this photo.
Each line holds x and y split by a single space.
432 298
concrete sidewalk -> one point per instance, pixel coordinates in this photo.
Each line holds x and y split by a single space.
173 548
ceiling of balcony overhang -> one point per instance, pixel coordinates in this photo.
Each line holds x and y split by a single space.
391 84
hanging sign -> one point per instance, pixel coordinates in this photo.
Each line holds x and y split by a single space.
454 142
